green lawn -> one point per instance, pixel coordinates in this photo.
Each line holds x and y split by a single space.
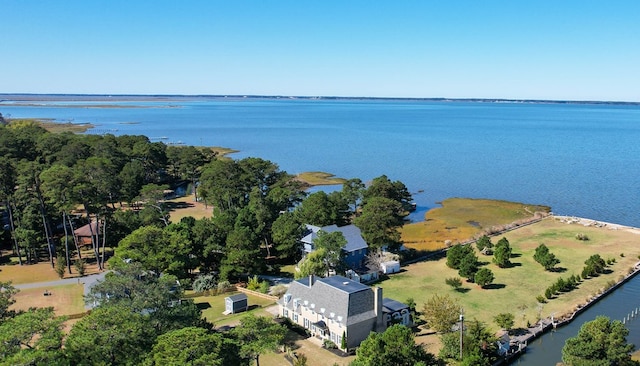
213 307
515 289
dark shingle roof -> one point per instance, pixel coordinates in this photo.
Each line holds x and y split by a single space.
391 305
351 233
343 284
237 297
349 301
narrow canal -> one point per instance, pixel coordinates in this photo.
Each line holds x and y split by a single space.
547 350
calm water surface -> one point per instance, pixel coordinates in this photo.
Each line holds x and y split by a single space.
547 350
579 159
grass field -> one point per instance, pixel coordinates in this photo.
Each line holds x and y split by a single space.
515 289
213 306
460 219
65 300
39 272
187 206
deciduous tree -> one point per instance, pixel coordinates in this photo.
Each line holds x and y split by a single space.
257 335
332 243
395 346
313 264
193 346
162 251
110 335
441 313
504 320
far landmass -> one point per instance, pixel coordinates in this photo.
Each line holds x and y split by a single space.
27 98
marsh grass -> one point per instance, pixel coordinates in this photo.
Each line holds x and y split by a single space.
319 178
461 219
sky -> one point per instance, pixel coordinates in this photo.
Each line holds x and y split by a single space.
556 50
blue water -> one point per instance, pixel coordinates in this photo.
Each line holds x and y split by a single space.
547 350
581 160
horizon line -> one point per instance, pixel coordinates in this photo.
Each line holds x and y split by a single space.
327 97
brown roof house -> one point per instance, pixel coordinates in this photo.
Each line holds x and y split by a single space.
336 308
84 233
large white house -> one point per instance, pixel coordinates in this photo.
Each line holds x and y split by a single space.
336 307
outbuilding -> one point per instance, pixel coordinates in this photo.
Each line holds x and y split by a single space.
236 303
390 267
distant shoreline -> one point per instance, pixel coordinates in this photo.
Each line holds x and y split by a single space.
27 97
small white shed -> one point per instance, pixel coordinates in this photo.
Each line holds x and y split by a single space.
390 267
235 303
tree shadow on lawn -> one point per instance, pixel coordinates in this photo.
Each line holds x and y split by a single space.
558 270
203 305
495 286
172 206
516 255
463 290
5 260
512 265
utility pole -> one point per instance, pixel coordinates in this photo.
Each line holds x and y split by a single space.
461 332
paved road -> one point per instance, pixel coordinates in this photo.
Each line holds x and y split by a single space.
276 280
88 282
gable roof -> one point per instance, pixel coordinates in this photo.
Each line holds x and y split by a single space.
351 233
350 302
237 297
87 229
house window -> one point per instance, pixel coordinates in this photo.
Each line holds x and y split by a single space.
295 317
286 313
306 323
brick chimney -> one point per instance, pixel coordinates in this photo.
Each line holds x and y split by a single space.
312 279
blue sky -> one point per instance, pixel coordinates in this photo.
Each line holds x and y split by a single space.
571 50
